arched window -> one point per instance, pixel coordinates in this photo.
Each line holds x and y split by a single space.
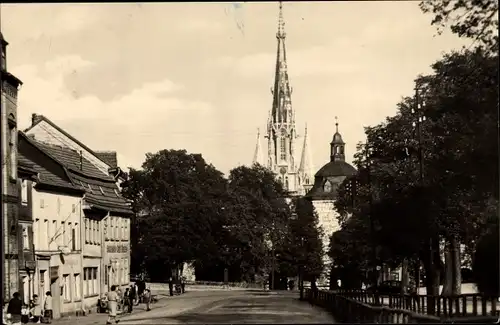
282 148
286 183
307 181
341 150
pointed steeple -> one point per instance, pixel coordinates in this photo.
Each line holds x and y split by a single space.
282 101
306 167
337 146
257 156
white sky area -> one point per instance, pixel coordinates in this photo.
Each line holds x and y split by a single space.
139 78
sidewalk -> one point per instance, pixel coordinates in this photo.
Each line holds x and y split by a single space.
96 318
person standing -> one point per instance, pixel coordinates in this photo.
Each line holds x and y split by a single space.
131 298
47 308
183 285
171 286
147 299
36 310
126 302
112 306
15 308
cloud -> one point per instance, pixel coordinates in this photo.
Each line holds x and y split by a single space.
148 109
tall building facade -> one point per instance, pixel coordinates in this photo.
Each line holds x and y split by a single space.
10 191
281 133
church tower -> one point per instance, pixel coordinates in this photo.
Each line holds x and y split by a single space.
281 133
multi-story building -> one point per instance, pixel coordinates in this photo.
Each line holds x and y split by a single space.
56 214
10 192
27 262
105 213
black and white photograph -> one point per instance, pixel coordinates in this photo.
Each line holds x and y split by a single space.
250 162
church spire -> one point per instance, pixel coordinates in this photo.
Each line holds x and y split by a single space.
306 167
257 156
337 146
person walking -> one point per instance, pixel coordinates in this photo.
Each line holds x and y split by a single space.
147 298
47 308
126 301
112 306
15 308
36 310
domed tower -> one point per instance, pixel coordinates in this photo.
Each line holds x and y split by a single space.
324 192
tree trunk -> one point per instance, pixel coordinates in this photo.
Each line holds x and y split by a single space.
431 264
456 267
448 269
404 276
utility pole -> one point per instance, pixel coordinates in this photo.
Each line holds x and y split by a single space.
368 156
419 119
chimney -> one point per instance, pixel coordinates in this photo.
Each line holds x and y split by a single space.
35 118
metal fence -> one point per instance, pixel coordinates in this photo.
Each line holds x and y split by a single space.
359 307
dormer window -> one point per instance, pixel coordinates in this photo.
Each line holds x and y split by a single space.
327 187
102 192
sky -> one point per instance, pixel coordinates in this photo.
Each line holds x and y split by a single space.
141 77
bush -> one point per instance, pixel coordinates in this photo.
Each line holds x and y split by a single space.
485 263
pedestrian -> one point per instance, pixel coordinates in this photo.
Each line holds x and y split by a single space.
15 308
147 298
131 298
112 306
171 286
183 285
126 302
47 308
36 310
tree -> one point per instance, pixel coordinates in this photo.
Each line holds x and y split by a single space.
305 241
486 262
176 197
472 19
459 161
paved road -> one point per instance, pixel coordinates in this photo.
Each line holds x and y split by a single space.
237 307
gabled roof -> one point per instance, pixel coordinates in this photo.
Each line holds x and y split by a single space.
39 118
45 176
100 189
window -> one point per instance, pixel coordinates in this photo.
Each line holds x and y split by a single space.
12 151
282 148
64 235
73 239
105 275
87 231
77 236
36 236
98 233
112 230
26 238
327 187
76 286
90 286
54 232
42 204
24 192
66 288
46 227
92 231
95 286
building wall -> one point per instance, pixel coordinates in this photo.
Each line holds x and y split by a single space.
116 258
57 229
328 221
9 188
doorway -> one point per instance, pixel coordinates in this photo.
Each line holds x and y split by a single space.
55 290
